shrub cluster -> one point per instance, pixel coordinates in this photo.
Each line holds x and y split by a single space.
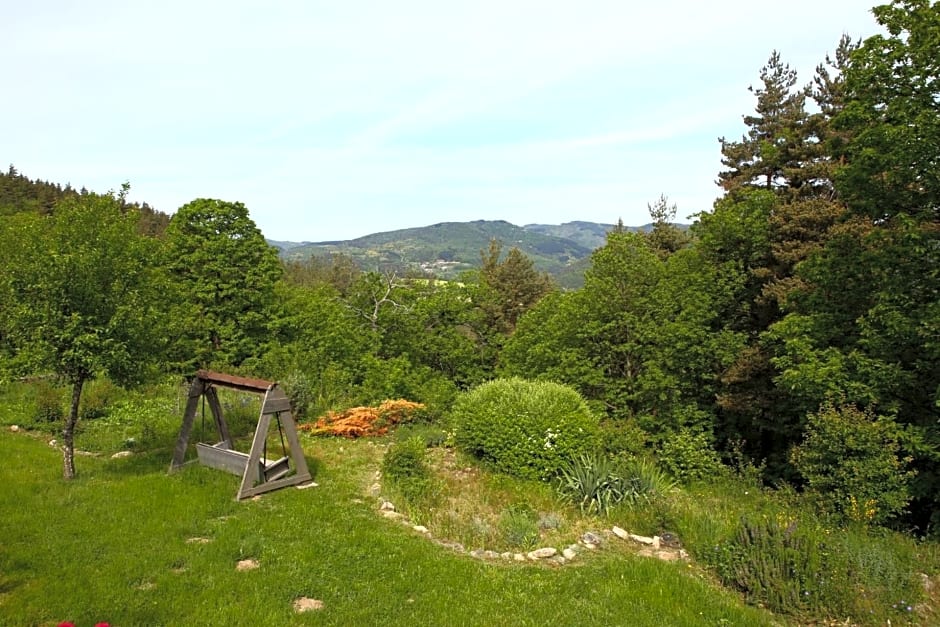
406 468
689 456
528 429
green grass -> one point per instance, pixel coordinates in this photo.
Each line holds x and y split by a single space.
112 546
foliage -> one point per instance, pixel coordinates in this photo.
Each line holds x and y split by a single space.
638 339
405 466
81 294
524 428
795 566
49 403
850 459
519 525
512 286
890 116
689 456
598 483
226 273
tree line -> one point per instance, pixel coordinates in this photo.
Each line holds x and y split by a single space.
796 326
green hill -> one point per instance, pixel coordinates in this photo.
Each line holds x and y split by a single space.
447 249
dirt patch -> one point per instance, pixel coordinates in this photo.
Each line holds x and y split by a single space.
305 604
247 565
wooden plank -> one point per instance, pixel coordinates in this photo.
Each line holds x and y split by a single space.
234 382
189 415
222 458
212 398
275 405
276 469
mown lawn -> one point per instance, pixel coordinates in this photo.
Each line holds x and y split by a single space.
116 546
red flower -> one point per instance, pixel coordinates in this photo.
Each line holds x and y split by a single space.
66 624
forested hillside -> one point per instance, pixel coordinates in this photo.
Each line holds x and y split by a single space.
795 327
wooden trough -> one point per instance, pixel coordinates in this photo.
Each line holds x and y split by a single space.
258 473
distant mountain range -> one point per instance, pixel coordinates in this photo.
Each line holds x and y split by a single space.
449 248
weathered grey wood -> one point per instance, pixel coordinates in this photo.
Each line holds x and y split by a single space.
275 405
277 469
189 415
258 474
234 382
251 486
222 458
212 398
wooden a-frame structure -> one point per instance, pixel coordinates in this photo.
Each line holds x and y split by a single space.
258 473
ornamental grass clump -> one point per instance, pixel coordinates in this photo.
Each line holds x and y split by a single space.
528 429
598 483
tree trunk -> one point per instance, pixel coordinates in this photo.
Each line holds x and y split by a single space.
68 433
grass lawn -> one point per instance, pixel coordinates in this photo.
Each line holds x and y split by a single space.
116 545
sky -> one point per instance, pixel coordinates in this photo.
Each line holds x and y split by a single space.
333 119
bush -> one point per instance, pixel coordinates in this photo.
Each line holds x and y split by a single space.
524 428
97 397
850 461
405 466
49 404
798 567
689 456
622 437
519 526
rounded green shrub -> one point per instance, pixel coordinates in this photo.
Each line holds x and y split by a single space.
529 429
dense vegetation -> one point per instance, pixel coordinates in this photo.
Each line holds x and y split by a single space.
794 332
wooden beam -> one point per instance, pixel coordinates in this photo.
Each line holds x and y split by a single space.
259 386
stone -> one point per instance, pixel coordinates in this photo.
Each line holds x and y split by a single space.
641 539
655 542
590 538
388 513
670 540
14 428
557 559
198 540
52 443
309 484
387 506
568 554
420 528
620 533
305 604
506 555
478 553
121 454
542 553
375 489
519 557
248 564
490 555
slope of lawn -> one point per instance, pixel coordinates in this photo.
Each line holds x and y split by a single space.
118 545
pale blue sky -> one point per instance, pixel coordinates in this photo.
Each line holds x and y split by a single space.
336 119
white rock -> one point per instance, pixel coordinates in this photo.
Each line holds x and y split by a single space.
121 454
506 555
52 443
14 428
620 533
420 528
655 542
542 553
519 557
247 565
568 554
641 539
388 513
387 506
309 484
